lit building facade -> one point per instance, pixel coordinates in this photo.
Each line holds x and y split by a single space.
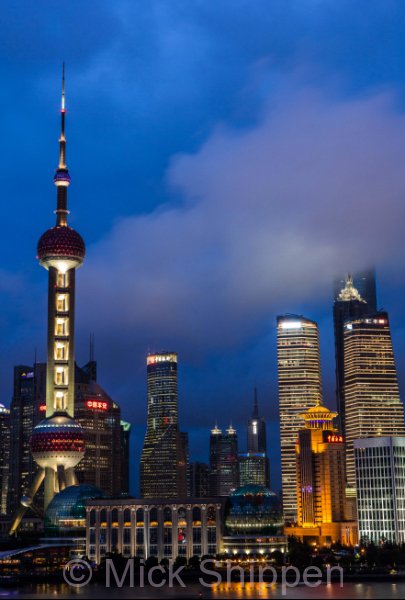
347 306
4 457
100 418
28 407
57 442
253 469
380 482
299 387
224 463
154 527
321 481
255 461
372 401
162 468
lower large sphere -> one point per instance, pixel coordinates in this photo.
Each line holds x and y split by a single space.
57 441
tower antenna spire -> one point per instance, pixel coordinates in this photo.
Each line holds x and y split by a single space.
62 177
255 414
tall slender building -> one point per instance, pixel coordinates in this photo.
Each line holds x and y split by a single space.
256 432
162 472
373 404
224 464
254 464
28 406
348 305
4 457
299 388
57 443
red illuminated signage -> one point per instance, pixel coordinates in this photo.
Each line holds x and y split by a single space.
97 405
335 439
42 408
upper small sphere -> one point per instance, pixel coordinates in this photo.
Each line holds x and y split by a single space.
60 243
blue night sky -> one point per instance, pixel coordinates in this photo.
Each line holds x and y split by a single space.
227 160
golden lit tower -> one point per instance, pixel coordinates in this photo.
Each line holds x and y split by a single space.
321 481
57 442
299 388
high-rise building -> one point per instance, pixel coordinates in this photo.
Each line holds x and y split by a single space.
57 442
348 305
224 463
199 480
365 282
100 418
256 450
4 457
184 464
321 481
162 472
253 469
299 388
125 456
380 482
28 406
372 402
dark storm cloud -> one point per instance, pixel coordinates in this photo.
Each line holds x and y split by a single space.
268 214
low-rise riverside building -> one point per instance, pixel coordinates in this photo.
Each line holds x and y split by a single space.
154 527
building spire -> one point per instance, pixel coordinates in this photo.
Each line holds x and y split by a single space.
255 413
62 177
62 139
349 292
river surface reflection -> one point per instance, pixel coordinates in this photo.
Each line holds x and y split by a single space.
374 590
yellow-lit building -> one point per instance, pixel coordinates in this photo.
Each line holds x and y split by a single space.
372 400
299 386
321 482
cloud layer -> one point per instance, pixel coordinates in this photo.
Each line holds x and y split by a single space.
267 216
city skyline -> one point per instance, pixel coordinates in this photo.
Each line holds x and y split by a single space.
129 162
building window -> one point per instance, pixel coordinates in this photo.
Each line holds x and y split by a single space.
62 280
62 303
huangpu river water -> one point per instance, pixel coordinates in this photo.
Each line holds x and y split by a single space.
374 590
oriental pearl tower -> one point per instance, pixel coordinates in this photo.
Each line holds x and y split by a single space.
57 442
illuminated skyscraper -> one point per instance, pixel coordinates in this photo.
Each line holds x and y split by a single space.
4 457
321 481
348 305
162 469
254 464
57 442
100 418
28 406
224 463
380 482
373 405
299 388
